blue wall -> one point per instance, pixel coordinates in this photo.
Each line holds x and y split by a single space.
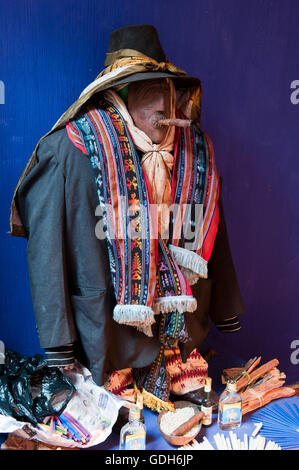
246 54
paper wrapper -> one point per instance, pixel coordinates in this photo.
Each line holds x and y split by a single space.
93 406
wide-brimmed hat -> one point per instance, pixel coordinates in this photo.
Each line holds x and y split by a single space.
139 45
134 53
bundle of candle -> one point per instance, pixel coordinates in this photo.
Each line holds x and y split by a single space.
281 423
232 443
260 386
68 427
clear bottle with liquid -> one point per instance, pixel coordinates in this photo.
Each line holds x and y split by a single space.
230 407
133 434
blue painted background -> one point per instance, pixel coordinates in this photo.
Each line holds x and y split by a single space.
246 54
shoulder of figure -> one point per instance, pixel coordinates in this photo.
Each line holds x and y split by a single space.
56 144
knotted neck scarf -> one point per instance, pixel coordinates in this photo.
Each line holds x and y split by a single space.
157 160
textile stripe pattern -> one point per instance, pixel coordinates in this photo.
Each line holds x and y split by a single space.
197 182
122 191
147 270
141 289
168 374
185 377
176 377
157 382
157 158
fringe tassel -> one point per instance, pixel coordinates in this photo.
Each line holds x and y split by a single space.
155 403
171 303
139 316
190 276
190 260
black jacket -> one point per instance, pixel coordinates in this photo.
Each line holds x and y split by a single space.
69 274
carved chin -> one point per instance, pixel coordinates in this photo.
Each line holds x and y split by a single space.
157 135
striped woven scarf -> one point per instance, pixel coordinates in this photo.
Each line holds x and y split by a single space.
150 275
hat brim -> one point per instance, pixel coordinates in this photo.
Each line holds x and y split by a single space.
180 81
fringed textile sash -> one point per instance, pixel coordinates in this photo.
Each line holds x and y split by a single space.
195 191
145 268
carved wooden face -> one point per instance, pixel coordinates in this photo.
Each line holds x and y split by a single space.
149 101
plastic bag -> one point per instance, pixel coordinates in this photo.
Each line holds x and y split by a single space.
92 406
30 390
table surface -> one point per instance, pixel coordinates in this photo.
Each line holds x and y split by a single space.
154 439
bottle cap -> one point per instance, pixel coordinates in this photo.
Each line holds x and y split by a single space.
134 412
208 384
231 385
139 400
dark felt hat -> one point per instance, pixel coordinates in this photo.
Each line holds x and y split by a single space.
145 40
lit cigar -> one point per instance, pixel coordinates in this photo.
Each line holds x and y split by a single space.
175 122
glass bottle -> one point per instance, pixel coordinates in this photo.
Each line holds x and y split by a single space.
230 407
207 404
133 434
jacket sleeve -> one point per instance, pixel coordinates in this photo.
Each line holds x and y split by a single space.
61 356
226 302
41 205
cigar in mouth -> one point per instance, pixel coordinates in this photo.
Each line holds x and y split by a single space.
175 122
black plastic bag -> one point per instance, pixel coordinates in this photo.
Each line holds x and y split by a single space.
30 390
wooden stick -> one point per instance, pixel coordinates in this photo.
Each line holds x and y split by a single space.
236 373
281 392
264 369
188 425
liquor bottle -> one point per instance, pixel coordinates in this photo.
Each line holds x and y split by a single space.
207 404
133 434
230 407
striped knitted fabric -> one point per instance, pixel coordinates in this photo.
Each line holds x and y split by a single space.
229 326
61 356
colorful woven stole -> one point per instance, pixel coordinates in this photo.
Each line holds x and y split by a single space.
150 275
195 186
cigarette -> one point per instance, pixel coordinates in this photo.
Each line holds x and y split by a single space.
208 444
228 444
233 439
223 442
246 441
258 427
175 122
263 443
218 441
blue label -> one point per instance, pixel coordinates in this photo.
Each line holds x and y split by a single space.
135 442
231 413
